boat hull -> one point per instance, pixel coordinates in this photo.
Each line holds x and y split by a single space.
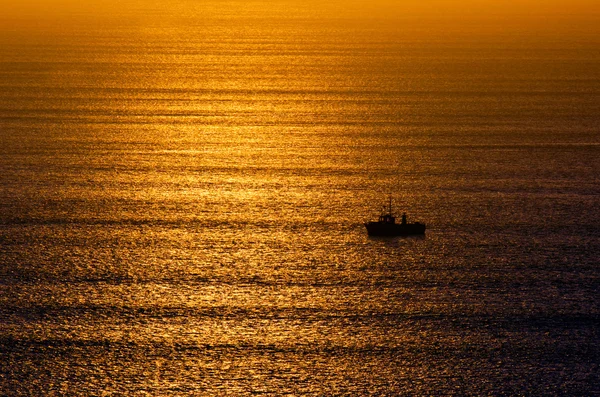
392 229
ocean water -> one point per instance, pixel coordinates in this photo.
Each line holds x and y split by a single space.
183 192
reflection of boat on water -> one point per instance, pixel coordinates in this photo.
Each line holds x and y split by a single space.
387 226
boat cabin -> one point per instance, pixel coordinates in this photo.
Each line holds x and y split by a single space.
387 218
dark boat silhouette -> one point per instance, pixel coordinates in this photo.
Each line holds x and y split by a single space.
387 226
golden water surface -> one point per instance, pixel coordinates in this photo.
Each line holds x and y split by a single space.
184 186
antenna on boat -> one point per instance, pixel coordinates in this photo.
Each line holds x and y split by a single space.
390 210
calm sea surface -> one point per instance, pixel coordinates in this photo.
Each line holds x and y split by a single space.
183 191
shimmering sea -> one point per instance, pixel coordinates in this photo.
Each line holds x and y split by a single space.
183 191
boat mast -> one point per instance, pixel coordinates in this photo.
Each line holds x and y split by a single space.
390 211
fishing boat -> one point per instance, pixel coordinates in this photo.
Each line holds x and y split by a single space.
387 226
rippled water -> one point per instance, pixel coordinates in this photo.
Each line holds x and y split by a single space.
183 198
